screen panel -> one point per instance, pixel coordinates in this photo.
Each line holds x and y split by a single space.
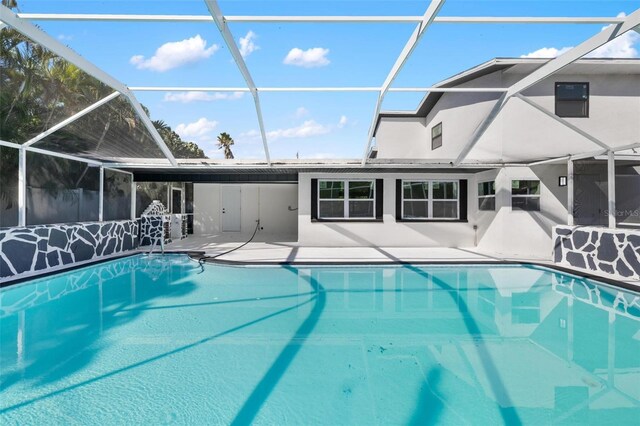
8 187
60 190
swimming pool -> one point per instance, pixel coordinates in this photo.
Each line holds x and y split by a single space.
151 339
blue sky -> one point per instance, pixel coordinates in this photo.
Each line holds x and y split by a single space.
312 125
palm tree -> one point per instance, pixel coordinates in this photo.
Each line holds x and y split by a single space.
224 142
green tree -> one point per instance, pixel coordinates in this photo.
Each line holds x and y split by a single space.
224 142
179 148
38 90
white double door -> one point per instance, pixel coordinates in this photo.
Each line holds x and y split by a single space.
231 196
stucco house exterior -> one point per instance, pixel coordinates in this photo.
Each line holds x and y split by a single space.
510 192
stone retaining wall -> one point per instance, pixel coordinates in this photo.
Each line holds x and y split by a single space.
38 248
613 251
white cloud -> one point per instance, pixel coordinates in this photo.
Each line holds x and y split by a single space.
187 97
307 129
310 58
546 52
248 45
621 47
301 112
65 37
250 134
175 54
343 121
199 130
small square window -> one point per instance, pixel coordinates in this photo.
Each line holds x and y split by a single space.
525 195
487 196
572 99
436 136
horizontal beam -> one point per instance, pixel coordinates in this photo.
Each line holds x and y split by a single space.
302 164
315 89
118 171
326 19
621 157
51 153
592 154
527 20
626 147
550 161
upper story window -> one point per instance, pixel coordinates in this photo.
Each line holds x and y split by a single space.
572 99
525 195
430 199
344 199
436 136
487 196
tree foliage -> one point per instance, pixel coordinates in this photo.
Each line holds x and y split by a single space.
224 142
179 148
40 89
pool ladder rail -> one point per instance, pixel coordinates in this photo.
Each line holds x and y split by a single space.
155 243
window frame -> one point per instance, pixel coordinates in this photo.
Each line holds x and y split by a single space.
346 200
433 138
430 201
538 196
481 197
556 100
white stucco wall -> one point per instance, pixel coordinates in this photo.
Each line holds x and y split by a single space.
267 202
522 233
513 233
388 233
520 132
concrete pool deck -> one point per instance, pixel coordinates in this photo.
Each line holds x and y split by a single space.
281 252
271 252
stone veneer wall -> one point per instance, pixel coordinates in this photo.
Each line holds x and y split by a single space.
151 230
38 248
612 251
152 223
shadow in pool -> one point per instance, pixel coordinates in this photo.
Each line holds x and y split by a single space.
428 406
269 381
93 302
160 356
503 400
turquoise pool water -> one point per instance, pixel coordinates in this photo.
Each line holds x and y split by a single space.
156 340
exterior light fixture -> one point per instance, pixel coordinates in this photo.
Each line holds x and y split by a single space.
562 181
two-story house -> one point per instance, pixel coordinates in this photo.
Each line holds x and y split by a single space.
511 187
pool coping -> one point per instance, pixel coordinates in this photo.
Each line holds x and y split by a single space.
200 256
